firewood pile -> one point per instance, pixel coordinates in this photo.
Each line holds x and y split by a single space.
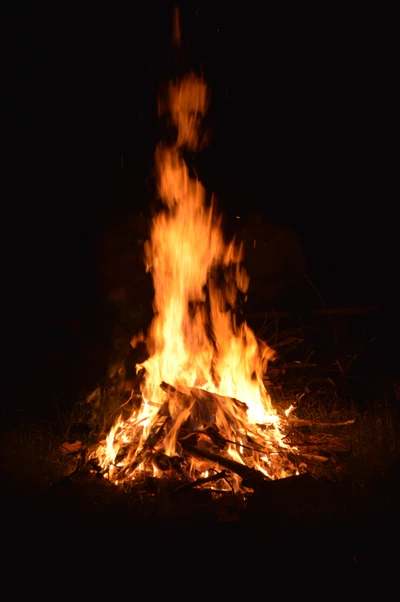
310 449
209 446
219 486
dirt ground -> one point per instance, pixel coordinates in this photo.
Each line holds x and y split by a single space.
330 538
296 533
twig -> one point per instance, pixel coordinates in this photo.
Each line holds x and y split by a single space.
262 451
201 481
300 365
300 422
322 459
287 342
124 404
315 290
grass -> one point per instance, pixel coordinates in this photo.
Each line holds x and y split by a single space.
375 439
31 453
372 441
31 458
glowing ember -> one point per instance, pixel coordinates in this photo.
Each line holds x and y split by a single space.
194 426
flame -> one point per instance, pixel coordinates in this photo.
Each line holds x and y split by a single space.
194 341
176 28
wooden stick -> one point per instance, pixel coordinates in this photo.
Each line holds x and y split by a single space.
322 459
299 365
299 422
240 469
184 398
201 395
198 482
325 311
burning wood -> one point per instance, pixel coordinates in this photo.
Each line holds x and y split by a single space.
203 405
235 467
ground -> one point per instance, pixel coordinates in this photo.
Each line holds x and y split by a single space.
338 524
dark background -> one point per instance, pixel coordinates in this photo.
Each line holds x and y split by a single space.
303 122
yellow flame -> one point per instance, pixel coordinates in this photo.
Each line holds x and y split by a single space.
194 339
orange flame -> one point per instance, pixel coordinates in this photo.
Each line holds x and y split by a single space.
194 341
176 28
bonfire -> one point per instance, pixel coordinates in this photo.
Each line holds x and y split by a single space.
203 417
204 413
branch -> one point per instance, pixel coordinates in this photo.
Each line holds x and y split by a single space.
240 469
198 482
299 422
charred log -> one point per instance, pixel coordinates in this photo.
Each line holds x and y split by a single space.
185 400
214 399
162 461
243 471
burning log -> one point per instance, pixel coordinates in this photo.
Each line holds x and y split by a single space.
184 399
167 463
204 406
247 474
208 400
162 461
214 398
213 433
151 441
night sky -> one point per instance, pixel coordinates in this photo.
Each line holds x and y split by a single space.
302 117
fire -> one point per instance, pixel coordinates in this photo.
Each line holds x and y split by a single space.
209 361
